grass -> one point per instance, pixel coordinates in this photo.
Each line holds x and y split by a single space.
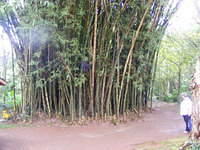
5 125
12 125
172 144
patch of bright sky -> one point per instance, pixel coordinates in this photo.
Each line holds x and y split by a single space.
185 19
4 43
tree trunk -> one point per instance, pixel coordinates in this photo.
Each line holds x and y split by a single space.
196 102
179 79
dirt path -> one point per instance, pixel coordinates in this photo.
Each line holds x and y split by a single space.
162 124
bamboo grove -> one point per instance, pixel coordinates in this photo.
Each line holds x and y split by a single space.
86 58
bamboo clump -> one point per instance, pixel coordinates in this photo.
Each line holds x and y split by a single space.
82 59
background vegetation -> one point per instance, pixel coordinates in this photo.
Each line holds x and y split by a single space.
177 57
86 58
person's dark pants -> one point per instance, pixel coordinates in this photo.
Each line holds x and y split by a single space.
188 123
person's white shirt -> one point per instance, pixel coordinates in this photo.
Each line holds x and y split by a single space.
186 106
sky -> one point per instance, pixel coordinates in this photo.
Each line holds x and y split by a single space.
185 19
4 43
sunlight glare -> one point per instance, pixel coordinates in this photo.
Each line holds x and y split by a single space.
185 19
5 45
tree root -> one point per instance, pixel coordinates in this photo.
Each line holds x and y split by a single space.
185 145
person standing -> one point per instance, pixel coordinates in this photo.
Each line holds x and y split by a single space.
186 112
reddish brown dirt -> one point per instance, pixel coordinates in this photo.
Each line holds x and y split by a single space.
163 123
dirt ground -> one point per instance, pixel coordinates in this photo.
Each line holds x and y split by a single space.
163 123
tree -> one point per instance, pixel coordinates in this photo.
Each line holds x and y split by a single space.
196 107
92 58
176 59
195 134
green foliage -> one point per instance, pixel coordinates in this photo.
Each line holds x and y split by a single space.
7 92
4 126
175 65
170 144
171 97
174 95
8 95
195 146
117 43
